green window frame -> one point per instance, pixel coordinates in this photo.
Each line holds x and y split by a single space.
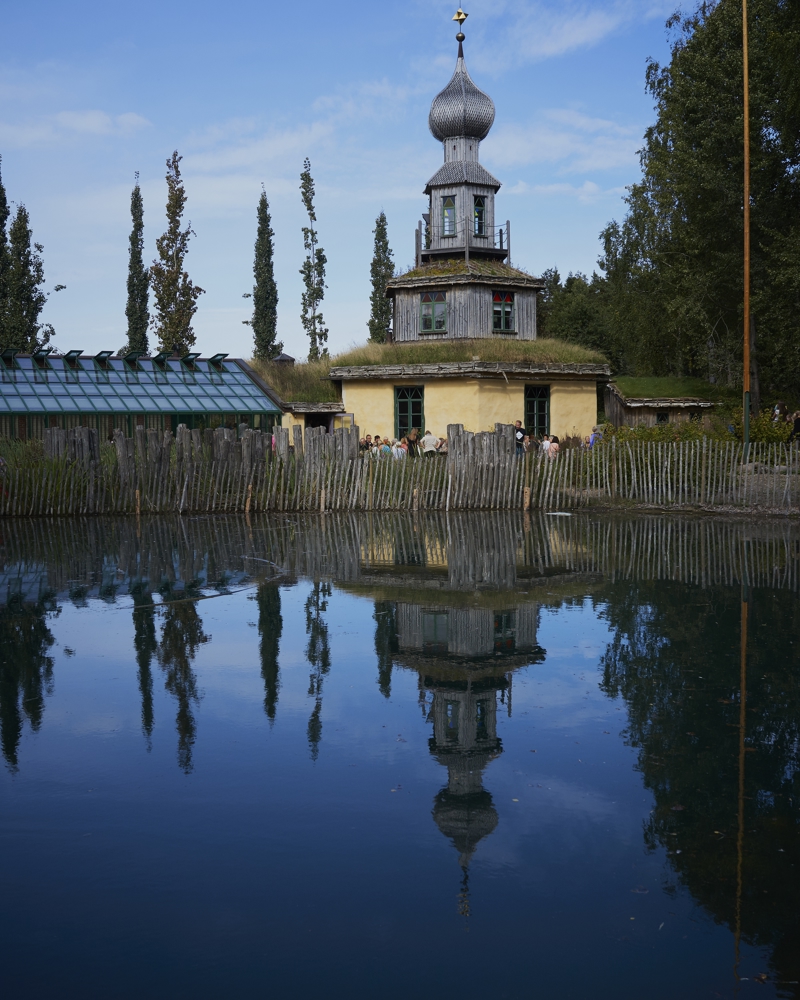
409 409
433 312
503 312
537 409
448 215
479 215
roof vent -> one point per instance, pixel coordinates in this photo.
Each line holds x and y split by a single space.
71 360
189 360
131 360
216 362
101 359
160 360
40 356
9 357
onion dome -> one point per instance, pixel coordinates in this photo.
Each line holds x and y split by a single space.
461 109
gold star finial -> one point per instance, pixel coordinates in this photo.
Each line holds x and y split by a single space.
460 16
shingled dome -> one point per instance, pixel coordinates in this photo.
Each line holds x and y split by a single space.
461 109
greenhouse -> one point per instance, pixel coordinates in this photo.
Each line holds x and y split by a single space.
45 390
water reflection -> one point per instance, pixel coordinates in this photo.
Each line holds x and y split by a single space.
457 602
26 668
464 659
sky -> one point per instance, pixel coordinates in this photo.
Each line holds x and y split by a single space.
92 92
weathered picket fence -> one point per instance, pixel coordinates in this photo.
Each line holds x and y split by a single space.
407 554
223 470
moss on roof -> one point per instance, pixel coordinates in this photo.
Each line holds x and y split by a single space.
672 388
305 382
308 382
438 351
462 268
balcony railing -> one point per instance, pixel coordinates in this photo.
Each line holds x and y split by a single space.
460 236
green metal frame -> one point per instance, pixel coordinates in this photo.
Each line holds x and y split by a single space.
398 389
534 396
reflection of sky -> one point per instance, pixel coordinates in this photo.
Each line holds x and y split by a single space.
263 866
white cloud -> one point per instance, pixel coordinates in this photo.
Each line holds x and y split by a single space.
56 128
575 142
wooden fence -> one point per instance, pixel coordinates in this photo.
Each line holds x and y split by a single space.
429 555
225 471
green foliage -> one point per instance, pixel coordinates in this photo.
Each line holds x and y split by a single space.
577 311
265 290
667 433
380 272
762 427
313 272
24 297
175 294
5 261
136 309
674 266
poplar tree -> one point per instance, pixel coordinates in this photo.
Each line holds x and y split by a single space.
4 257
313 272
174 293
138 277
265 291
24 297
381 270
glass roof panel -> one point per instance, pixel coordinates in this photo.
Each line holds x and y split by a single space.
173 389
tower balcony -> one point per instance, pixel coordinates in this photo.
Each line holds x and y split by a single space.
460 241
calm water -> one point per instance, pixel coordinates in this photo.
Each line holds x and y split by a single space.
385 757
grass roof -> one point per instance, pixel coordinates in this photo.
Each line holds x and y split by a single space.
308 382
431 352
670 387
453 266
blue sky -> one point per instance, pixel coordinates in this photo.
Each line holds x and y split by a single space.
91 92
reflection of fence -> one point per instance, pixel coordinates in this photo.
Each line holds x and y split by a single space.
84 558
220 471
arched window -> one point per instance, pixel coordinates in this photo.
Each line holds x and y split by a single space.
479 216
448 215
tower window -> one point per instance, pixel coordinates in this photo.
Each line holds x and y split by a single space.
503 312
479 216
448 215
434 312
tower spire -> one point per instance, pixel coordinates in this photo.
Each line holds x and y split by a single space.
461 17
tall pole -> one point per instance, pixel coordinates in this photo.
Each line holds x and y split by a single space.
746 70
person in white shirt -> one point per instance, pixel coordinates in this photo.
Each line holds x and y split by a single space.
429 443
545 443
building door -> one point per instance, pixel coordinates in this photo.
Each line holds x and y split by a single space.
408 409
537 409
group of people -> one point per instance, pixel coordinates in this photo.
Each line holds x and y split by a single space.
781 414
410 444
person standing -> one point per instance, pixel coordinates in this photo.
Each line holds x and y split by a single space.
519 437
429 443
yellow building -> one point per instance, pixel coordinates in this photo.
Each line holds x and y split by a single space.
389 400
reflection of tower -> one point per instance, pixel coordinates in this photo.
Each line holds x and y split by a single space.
465 740
465 657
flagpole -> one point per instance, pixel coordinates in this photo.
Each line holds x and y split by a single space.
746 71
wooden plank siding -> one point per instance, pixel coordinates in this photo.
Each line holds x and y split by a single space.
469 313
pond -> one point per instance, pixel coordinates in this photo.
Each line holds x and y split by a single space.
495 756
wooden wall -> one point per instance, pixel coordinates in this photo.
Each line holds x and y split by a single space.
469 314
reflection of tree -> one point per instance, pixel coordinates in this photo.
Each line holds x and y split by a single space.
26 671
181 634
319 656
270 626
146 646
385 616
676 664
